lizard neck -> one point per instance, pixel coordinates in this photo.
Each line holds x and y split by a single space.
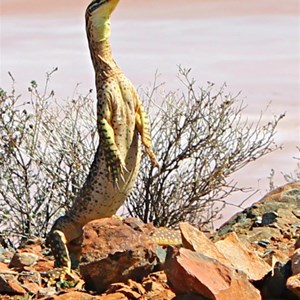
98 34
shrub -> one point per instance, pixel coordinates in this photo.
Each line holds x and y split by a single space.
200 139
45 152
46 149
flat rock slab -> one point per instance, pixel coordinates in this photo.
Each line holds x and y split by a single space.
195 240
191 272
242 258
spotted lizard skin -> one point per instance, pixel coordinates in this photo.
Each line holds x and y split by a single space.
122 126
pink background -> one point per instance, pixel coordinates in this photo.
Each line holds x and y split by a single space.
253 46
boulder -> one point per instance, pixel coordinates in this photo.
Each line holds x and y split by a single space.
116 251
192 272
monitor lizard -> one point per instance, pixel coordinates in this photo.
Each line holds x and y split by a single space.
121 123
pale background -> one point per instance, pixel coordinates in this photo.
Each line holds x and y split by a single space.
253 46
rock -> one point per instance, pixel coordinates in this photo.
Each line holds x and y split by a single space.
197 241
46 292
189 296
72 296
242 258
21 260
156 287
262 237
116 296
295 260
274 285
293 284
10 285
86 296
31 281
297 243
270 226
267 211
191 272
125 290
32 288
3 267
115 251
5 255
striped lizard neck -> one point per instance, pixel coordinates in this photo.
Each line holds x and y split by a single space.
98 33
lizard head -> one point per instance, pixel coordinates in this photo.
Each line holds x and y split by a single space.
97 18
102 8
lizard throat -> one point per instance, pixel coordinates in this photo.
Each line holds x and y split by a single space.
100 30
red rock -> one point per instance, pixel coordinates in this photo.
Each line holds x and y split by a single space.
156 287
132 291
31 281
115 251
9 285
157 291
85 296
129 293
32 287
116 296
242 258
44 266
197 241
3 267
136 286
32 247
293 284
191 272
295 259
21 260
110 235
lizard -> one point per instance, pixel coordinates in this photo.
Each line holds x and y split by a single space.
122 125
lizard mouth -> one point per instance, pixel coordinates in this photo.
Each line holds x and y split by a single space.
96 4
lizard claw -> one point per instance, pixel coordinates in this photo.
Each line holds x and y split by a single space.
59 277
117 169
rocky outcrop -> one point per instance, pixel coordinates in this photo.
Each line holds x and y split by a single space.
255 255
293 282
271 229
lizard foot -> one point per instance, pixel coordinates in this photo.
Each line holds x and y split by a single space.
61 277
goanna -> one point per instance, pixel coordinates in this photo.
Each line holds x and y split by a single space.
120 121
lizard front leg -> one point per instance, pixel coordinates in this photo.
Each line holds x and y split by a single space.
115 163
143 127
